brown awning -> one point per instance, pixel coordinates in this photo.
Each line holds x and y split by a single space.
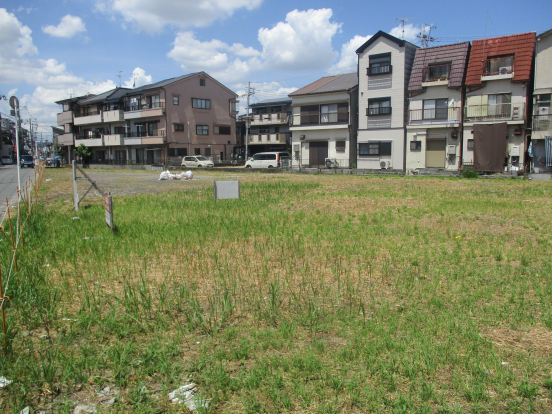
489 147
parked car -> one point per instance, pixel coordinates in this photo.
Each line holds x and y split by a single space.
6 160
197 162
27 161
268 160
53 162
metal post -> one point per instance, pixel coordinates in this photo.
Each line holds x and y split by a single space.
2 301
247 122
75 190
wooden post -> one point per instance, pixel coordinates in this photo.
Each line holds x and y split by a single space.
2 302
11 235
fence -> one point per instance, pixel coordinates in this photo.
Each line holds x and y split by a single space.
26 199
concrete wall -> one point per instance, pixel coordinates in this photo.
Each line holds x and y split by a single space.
543 63
329 135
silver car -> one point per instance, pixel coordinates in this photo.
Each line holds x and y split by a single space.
197 162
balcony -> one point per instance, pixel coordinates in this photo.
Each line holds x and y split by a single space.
434 116
111 140
90 140
145 137
65 118
114 116
260 139
263 119
496 112
144 110
66 139
89 117
542 126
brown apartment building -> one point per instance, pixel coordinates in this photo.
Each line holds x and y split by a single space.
159 123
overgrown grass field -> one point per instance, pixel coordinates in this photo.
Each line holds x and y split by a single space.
310 294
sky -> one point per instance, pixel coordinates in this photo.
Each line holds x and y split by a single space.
51 50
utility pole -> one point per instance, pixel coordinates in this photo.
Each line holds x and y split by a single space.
14 103
249 93
426 38
402 22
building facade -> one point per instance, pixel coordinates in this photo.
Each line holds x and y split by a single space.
498 89
434 117
384 68
324 123
154 124
542 113
269 126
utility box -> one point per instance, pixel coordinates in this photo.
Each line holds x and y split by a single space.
514 152
451 150
227 189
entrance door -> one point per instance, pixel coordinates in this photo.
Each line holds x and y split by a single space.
435 153
318 152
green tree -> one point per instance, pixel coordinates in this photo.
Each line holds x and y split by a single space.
83 152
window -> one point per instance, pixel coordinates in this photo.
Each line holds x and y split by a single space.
202 82
375 148
178 127
340 146
438 71
380 64
309 115
224 130
202 129
197 151
436 109
175 100
207 152
379 106
201 103
470 144
263 130
543 100
235 106
152 102
328 113
178 152
499 65
415 145
500 105
119 130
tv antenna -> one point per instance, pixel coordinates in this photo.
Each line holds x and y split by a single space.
119 76
403 21
424 37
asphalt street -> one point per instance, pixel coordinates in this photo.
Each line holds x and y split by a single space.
8 184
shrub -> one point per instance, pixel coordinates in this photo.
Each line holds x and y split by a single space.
470 174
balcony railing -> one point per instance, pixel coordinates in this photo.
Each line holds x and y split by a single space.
542 123
90 135
88 113
277 118
434 116
499 66
141 134
379 70
382 110
498 112
139 106
267 139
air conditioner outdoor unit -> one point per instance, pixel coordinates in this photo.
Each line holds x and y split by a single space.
385 164
544 110
504 70
331 163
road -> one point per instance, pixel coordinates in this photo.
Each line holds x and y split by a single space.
8 184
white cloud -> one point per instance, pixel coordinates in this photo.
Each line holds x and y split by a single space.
303 42
410 32
151 16
348 58
68 27
15 39
218 59
138 78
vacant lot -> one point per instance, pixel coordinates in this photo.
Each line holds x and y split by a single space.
310 294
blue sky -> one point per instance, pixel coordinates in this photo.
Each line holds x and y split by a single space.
50 49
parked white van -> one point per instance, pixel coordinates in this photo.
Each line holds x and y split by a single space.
268 160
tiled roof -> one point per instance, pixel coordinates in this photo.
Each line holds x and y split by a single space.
379 34
328 84
520 45
111 95
162 83
456 54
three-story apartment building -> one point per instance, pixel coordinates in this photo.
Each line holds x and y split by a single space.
434 118
269 125
324 122
498 88
384 67
542 112
154 124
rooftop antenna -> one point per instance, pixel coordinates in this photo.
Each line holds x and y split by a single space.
426 38
402 21
119 76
